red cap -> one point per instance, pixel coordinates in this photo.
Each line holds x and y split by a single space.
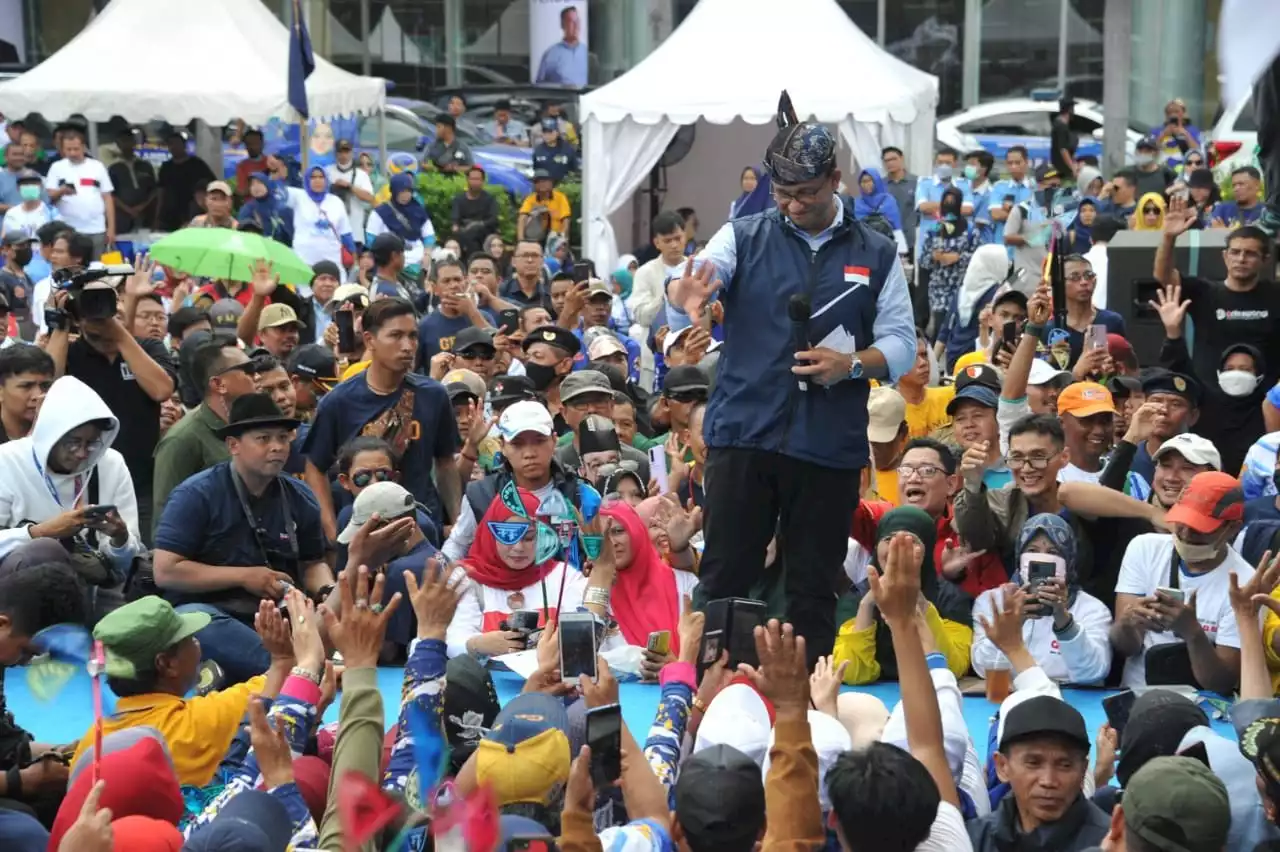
1118 347
1211 500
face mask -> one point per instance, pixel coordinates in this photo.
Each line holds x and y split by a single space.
29 192
22 256
1238 382
1192 553
1144 159
971 172
541 375
942 172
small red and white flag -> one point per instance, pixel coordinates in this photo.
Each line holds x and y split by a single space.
856 275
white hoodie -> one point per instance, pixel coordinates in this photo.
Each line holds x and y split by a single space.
27 496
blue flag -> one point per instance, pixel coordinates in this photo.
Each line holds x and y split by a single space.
301 61
429 747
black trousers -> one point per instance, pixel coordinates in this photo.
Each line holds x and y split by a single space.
751 495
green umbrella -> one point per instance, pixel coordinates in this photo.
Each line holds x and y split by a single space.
228 255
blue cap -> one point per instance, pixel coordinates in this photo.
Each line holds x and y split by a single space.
526 716
980 394
251 821
550 124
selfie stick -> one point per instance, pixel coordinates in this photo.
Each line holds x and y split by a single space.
97 665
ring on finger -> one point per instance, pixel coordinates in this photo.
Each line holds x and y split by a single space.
377 608
362 603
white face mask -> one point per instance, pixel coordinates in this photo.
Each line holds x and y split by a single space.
1238 382
942 171
1143 159
1192 553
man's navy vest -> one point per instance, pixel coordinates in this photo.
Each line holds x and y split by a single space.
757 403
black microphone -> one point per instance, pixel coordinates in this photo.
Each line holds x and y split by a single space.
798 310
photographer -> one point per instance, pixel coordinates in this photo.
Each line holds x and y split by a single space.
239 532
133 377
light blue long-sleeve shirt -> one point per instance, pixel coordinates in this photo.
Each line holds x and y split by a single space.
894 330
1024 190
565 64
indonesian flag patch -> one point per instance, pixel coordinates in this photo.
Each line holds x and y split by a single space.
857 275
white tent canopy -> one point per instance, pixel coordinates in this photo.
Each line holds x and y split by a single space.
720 66
122 64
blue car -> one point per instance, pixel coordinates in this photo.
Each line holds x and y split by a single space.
999 125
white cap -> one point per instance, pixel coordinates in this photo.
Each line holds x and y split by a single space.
387 500
1042 372
1193 448
830 740
736 717
673 337
886 411
525 416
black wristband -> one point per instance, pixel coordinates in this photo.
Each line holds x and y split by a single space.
13 783
55 319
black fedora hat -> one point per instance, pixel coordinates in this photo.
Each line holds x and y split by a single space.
254 411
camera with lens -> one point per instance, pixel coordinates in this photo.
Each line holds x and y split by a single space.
91 290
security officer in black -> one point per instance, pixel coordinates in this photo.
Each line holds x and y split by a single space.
815 305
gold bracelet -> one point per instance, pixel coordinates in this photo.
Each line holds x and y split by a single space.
596 595
699 704
299 671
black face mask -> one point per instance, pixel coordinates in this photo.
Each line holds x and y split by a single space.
22 256
541 375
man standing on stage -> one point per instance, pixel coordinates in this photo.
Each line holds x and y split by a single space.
787 429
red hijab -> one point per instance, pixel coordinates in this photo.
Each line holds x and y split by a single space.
645 596
482 562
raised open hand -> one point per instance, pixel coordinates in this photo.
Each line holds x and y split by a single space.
1172 309
357 623
782 676
694 288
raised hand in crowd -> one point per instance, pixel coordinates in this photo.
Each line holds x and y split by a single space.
692 624
270 625
265 279
441 364
270 744
308 646
580 790
601 691
973 464
357 621
1172 309
435 599
1247 602
783 675
574 303
696 343
547 677
694 288
1143 422
1040 305
1004 628
1092 364
1104 761
91 832
682 524
1180 217
141 282
824 684
375 544
956 559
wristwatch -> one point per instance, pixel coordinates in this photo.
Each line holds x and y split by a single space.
855 367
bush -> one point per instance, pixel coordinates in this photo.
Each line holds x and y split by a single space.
437 191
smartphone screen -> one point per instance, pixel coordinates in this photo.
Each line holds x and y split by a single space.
1009 335
1117 708
346 322
577 646
100 511
604 736
746 615
509 321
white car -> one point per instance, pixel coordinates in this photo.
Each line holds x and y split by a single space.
999 125
1234 138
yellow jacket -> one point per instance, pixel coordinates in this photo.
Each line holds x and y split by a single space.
1269 628
859 647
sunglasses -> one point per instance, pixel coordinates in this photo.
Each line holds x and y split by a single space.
1150 211
509 532
362 478
687 396
248 368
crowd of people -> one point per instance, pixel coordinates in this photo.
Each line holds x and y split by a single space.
433 454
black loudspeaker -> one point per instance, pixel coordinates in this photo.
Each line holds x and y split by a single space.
1131 284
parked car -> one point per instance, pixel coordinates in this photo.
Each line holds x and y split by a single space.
1234 137
999 125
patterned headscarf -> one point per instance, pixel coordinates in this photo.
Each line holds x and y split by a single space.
1061 537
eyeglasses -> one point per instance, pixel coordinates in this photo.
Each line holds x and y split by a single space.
924 471
1037 461
1077 277
807 195
79 445
362 478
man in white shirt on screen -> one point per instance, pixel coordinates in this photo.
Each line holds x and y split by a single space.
80 189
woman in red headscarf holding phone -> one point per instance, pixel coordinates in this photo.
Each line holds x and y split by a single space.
508 586
636 587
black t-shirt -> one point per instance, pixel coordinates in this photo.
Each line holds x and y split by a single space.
1157 181
1223 317
134 181
179 182
1061 136
138 413
17 287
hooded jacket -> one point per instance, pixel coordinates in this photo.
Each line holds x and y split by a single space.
31 493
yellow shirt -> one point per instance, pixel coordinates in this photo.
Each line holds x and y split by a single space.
858 647
885 486
197 730
1269 628
557 205
930 414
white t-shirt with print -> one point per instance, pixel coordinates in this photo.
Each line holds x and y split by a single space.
480 604
318 228
18 218
85 209
1146 567
1071 473
948 833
